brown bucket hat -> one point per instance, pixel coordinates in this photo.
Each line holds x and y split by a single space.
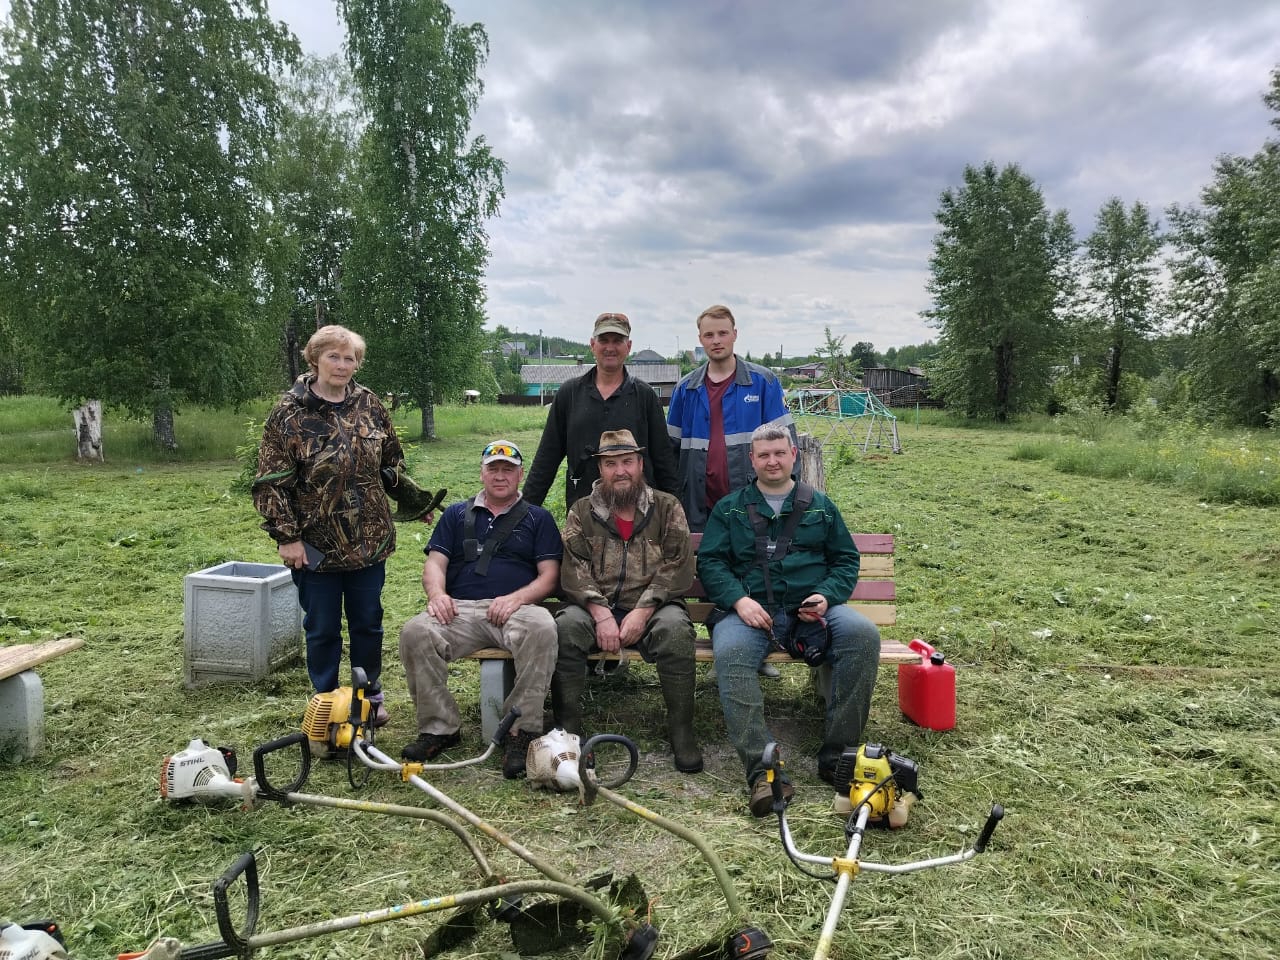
615 442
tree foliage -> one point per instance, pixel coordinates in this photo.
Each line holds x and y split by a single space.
420 247
911 355
862 355
1000 274
1120 264
832 350
132 138
1226 283
313 174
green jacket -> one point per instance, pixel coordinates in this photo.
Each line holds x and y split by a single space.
822 558
319 475
652 568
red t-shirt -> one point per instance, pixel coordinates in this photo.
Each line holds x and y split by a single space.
717 457
625 527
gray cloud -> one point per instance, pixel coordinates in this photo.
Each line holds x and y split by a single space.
787 159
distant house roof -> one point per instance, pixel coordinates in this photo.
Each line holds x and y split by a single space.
814 369
647 356
554 374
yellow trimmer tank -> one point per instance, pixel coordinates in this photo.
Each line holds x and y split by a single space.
325 721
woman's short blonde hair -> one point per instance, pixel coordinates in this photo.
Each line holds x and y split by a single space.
332 336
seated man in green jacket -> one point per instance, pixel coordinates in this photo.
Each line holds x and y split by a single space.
777 558
627 566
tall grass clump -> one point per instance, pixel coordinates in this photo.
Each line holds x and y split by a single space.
1216 466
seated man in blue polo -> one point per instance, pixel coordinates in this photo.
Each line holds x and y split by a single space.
778 560
489 561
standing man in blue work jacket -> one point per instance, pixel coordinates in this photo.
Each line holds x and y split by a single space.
713 412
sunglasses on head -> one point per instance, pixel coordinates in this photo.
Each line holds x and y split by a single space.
501 450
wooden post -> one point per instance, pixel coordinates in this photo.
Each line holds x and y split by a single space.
812 469
88 421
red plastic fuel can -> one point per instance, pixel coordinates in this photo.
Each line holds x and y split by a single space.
927 691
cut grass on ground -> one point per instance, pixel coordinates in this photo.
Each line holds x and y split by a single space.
1116 693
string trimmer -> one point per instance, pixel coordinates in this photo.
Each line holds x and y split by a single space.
875 786
555 760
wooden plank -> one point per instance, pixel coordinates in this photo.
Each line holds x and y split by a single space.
24 656
891 651
881 614
865 542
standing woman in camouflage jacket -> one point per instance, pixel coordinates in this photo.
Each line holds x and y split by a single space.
319 489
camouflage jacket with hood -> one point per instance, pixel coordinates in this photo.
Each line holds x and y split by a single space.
652 568
319 475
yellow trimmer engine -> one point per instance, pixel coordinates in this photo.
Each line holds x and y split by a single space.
876 777
332 719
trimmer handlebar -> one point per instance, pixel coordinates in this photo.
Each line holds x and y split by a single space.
988 828
586 763
265 787
247 865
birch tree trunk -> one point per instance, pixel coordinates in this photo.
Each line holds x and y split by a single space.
812 470
162 427
88 421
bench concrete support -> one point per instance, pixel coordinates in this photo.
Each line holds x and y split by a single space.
497 678
21 715
22 694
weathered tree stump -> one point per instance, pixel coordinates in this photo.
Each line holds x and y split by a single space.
88 421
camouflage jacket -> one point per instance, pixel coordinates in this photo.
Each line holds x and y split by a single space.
318 475
652 568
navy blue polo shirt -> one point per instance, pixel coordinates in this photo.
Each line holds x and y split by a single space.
514 565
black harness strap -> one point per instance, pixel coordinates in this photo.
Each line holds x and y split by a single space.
482 554
768 551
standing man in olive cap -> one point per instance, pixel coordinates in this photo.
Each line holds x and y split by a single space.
606 397
627 566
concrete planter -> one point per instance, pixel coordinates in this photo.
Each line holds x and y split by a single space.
242 620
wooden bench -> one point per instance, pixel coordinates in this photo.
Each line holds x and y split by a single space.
875 597
22 694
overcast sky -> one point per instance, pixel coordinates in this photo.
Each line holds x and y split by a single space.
786 159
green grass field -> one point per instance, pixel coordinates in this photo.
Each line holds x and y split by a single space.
1118 693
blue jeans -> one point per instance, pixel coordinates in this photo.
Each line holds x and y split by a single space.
854 658
322 597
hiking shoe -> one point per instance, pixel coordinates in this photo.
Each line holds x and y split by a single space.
513 757
762 797
380 716
769 671
428 746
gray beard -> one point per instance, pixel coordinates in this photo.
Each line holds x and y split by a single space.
618 500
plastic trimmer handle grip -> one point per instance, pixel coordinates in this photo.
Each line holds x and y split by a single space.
265 787
988 828
505 726
247 865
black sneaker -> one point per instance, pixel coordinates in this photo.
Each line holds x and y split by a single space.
513 757
428 746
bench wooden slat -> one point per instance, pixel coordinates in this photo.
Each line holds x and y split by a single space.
881 614
24 656
891 651
865 542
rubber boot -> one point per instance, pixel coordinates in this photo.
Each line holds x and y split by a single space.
677 692
567 686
